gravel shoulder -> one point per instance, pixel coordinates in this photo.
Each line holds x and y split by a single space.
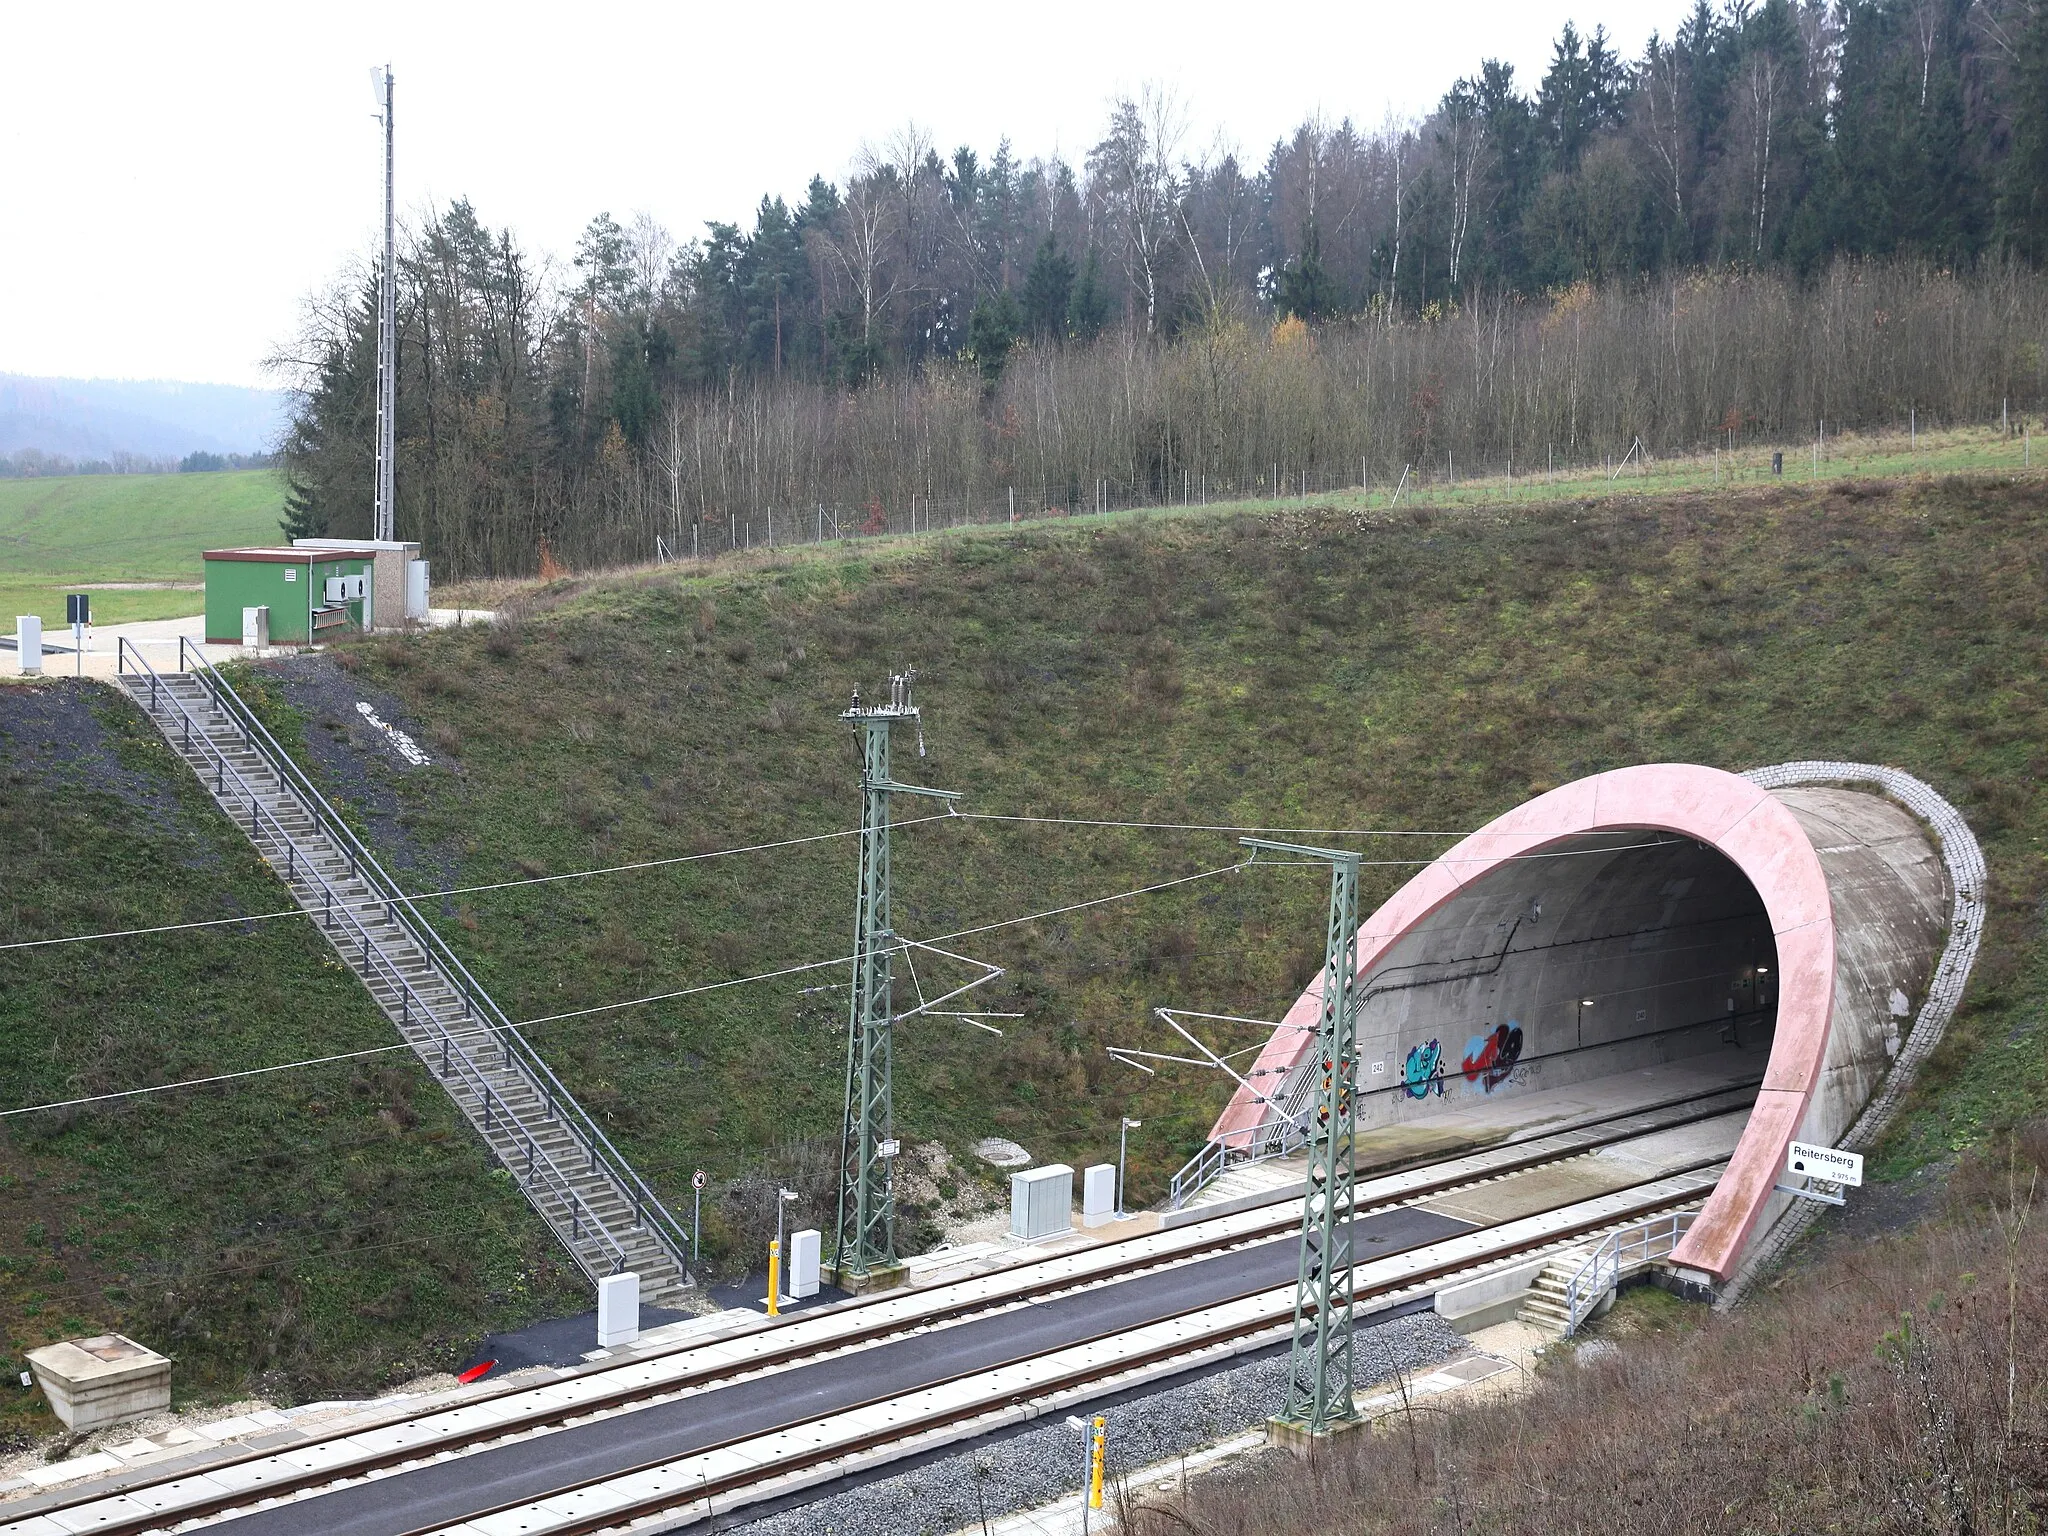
1036 1463
368 752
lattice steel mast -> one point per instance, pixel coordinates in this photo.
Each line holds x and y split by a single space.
1319 1390
865 1249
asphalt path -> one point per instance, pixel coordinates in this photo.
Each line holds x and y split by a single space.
445 1493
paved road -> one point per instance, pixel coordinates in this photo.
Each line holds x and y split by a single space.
447 1492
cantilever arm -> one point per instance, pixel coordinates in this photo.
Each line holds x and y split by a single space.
890 786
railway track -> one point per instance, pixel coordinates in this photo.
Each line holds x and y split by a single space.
667 1491
520 1413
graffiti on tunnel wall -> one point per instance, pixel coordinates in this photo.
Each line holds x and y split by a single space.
1423 1070
1490 1059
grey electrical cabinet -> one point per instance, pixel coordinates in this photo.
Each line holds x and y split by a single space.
1042 1201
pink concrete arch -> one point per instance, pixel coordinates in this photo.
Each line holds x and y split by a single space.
1755 832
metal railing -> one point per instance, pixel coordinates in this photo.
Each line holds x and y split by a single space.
1287 1132
1254 1144
649 1212
540 1170
1632 1248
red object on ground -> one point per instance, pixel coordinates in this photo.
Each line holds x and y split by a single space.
476 1372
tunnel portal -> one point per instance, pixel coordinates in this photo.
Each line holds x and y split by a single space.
1607 952
1780 936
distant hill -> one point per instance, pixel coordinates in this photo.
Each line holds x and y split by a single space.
146 418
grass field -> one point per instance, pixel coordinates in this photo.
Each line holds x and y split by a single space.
315 1234
1417 668
62 534
1316 665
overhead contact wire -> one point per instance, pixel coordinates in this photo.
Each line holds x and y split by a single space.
373 902
578 1013
460 890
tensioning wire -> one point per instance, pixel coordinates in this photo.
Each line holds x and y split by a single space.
741 981
373 903
552 1018
1191 826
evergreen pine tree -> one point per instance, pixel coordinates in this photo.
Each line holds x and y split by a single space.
992 330
1304 289
1047 288
1088 307
2023 200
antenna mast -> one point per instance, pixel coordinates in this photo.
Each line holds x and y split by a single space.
865 1245
383 519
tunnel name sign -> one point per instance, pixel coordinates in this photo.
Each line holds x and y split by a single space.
1825 1163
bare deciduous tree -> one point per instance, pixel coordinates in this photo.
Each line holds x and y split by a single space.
1136 172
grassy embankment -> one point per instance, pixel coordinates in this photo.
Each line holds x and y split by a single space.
1315 667
77 531
1895 1386
311 1234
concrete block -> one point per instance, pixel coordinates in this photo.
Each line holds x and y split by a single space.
803 1263
99 1381
1296 1438
1493 1298
1098 1194
618 1310
1042 1201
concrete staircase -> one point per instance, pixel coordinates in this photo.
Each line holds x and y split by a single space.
602 1211
1545 1306
1599 1268
1253 1183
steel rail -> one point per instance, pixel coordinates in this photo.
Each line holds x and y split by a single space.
721 1373
1200 1245
1281 1311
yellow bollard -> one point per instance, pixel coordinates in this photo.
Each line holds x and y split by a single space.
774 1276
1095 1463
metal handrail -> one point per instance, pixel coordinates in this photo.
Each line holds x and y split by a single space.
1631 1247
1263 1142
452 1049
649 1210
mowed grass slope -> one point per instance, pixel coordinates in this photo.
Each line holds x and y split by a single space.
318 1230
1314 668
58 533
315 1233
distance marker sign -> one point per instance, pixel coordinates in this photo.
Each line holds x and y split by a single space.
1826 1164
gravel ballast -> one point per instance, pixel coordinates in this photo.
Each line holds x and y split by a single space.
1023 1468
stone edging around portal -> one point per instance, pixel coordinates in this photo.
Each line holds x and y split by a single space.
1965 861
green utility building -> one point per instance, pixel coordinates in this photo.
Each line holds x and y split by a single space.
310 594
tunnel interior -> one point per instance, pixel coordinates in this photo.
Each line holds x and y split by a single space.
1604 954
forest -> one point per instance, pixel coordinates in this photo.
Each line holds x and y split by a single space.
1781 213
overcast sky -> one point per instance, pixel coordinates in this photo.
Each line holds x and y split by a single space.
179 177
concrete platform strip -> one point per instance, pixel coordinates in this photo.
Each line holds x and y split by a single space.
497 1415
1518 1122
